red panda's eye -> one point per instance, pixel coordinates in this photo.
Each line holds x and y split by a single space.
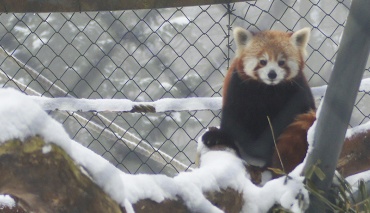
263 62
281 63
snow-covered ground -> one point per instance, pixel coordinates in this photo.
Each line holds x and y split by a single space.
22 116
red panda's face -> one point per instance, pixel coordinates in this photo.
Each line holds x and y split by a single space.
271 57
270 69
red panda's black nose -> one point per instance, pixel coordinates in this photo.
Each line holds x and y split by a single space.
272 74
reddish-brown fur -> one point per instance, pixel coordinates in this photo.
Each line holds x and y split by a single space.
292 144
247 106
249 99
238 65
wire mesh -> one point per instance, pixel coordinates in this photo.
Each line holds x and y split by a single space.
146 55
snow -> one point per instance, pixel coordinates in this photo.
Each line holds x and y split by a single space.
358 129
311 133
124 105
188 104
365 86
46 149
6 201
224 169
162 105
22 117
73 104
320 90
353 179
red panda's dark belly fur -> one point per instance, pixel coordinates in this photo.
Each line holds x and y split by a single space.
249 102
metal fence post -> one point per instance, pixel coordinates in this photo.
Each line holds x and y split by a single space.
339 99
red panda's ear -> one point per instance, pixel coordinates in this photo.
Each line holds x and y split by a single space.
300 38
241 37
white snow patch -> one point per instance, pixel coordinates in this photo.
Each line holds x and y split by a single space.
188 104
320 90
353 179
46 149
358 129
6 201
227 170
74 104
21 117
311 134
114 105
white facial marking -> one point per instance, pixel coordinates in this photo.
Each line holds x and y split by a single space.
249 65
294 67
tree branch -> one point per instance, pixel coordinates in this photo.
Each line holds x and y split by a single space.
355 155
48 181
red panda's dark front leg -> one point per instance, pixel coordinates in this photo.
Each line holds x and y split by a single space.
292 143
215 137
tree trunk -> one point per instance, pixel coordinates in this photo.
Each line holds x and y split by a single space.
43 178
49 182
355 155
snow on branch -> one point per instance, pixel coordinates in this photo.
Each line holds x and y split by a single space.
124 105
162 105
320 91
221 172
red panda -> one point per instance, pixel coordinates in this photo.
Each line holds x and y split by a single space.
266 80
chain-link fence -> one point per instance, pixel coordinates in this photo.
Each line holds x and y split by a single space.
147 55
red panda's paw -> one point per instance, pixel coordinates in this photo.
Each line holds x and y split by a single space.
215 138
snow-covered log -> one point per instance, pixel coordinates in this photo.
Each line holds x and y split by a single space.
46 171
355 155
45 179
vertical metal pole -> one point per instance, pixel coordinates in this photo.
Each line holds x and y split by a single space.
340 97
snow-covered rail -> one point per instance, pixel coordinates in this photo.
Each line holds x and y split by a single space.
162 105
